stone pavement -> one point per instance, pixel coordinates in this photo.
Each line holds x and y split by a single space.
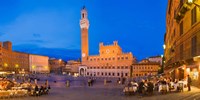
112 91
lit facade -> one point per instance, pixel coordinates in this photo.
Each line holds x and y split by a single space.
39 64
56 65
110 62
72 67
182 39
12 61
145 69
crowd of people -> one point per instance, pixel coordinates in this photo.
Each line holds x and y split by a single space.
14 88
162 85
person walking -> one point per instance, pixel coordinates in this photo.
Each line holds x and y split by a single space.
189 81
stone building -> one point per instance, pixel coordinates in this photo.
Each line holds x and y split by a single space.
39 64
145 69
12 61
56 65
182 39
110 62
72 67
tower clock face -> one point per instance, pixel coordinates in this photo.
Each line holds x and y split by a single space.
83 55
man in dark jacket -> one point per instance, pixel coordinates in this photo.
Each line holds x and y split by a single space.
189 81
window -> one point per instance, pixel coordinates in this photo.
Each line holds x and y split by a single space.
113 74
101 58
118 58
118 67
193 16
105 74
87 73
117 74
113 67
105 58
122 58
181 28
136 74
109 58
174 33
102 74
126 74
97 67
181 51
91 59
113 58
122 67
109 74
126 58
194 46
170 4
126 67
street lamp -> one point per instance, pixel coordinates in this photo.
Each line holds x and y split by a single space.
193 2
33 68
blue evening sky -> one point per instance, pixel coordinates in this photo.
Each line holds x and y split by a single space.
51 27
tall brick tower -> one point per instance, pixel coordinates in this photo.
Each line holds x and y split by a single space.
84 24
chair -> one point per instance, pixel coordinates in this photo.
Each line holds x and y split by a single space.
164 89
180 87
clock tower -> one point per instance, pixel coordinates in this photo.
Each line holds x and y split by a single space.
84 24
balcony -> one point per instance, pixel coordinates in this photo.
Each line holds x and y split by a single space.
183 7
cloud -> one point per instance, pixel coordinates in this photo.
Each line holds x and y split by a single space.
37 41
65 54
36 35
55 26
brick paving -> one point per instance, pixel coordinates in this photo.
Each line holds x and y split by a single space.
112 91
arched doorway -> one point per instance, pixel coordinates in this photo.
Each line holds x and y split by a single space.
82 72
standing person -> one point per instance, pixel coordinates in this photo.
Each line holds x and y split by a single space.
189 81
141 88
